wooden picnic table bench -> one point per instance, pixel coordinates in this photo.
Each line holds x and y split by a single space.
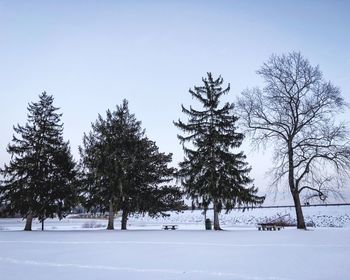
172 227
269 226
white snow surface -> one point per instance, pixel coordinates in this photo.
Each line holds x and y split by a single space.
181 254
81 249
324 216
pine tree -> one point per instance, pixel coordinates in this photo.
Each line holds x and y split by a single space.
148 181
124 170
210 172
39 181
105 157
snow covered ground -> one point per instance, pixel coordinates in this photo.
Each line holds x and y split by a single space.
182 254
325 216
81 249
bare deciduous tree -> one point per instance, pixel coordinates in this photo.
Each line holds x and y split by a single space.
296 112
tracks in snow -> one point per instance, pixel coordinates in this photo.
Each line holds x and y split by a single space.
214 274
161 243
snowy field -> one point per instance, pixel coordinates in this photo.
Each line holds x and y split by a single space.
182 254
81 249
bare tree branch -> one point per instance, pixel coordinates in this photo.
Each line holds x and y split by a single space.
295 111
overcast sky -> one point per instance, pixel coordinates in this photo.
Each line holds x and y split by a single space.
92 54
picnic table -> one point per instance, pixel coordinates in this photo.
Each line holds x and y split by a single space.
172 227
269 226
274 224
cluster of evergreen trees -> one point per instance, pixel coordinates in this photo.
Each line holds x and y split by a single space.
121 169
124 170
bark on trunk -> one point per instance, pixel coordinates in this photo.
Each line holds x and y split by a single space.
298 211
124 219
216 217
110 225
294 188
29 219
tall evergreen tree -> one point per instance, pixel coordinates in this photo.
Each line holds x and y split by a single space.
148 181
39 180
124 170
105 156
211 172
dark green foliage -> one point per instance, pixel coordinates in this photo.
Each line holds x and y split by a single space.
124 169
40 178
106 155
147 182
211 172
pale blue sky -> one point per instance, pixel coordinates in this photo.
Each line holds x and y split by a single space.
92 54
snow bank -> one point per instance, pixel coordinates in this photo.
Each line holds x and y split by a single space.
325 216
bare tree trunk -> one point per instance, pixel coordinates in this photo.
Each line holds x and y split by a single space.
110 225
216 217
124 219
42 224
298 211
29 219
294 189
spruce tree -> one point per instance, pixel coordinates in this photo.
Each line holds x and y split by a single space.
39 181
105 158
211 172
124 169
149 189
